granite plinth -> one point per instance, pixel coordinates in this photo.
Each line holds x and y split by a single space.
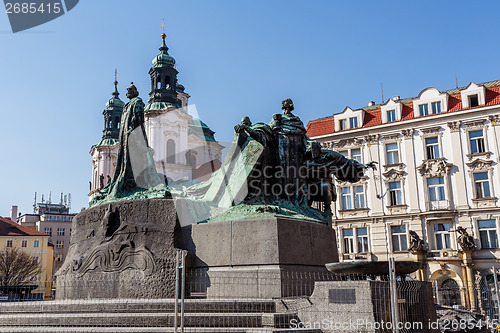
125 249
270 257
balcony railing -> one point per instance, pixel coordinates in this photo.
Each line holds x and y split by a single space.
439 205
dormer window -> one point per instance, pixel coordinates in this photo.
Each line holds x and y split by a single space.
472 96
430 101
349 119
391 111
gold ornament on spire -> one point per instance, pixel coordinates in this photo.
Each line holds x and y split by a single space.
116 81
163 29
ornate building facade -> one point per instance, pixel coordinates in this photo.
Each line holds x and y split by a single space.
184 147
434 196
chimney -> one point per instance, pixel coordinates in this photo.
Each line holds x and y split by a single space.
371 103
395 98
13 213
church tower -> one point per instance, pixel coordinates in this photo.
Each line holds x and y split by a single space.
163 78
112 115
104 153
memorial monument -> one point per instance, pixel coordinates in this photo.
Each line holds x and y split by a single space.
253 217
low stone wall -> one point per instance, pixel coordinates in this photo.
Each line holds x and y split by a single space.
365 306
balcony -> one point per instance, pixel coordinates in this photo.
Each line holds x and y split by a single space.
438 205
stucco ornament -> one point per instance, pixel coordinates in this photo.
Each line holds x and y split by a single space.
434 168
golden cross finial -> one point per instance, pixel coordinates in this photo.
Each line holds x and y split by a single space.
116 81
163 29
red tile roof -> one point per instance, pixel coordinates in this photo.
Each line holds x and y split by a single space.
373 117
9 228
321 126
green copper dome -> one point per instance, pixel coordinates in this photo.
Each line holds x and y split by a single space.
115 102
163 59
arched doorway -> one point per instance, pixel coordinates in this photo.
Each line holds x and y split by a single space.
449 293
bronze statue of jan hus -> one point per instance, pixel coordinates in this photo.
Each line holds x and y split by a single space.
135 170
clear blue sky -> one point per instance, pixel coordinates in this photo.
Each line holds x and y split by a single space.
235 58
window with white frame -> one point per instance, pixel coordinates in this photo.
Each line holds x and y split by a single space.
482 185
59 257
399 239
476 141
348 236
60 231
362 240
355 240
488 234
391 115
353 122
47 231
435 187
353 197
423 110
395 194
346 198
9 243
59 244
392 154
359 196
442 236
24 243
342 124
432 148
36 243
354 154
436 107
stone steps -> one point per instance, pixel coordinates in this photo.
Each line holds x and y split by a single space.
201 315
130 319
53 329
139 306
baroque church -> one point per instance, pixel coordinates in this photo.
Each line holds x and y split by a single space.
184 147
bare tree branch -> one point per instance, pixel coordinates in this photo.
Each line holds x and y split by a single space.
17 267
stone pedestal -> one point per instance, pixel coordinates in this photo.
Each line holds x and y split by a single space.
271 257
365 307
124 249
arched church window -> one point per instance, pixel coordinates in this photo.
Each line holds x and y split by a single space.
158 83
167 82
171 151
117 122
